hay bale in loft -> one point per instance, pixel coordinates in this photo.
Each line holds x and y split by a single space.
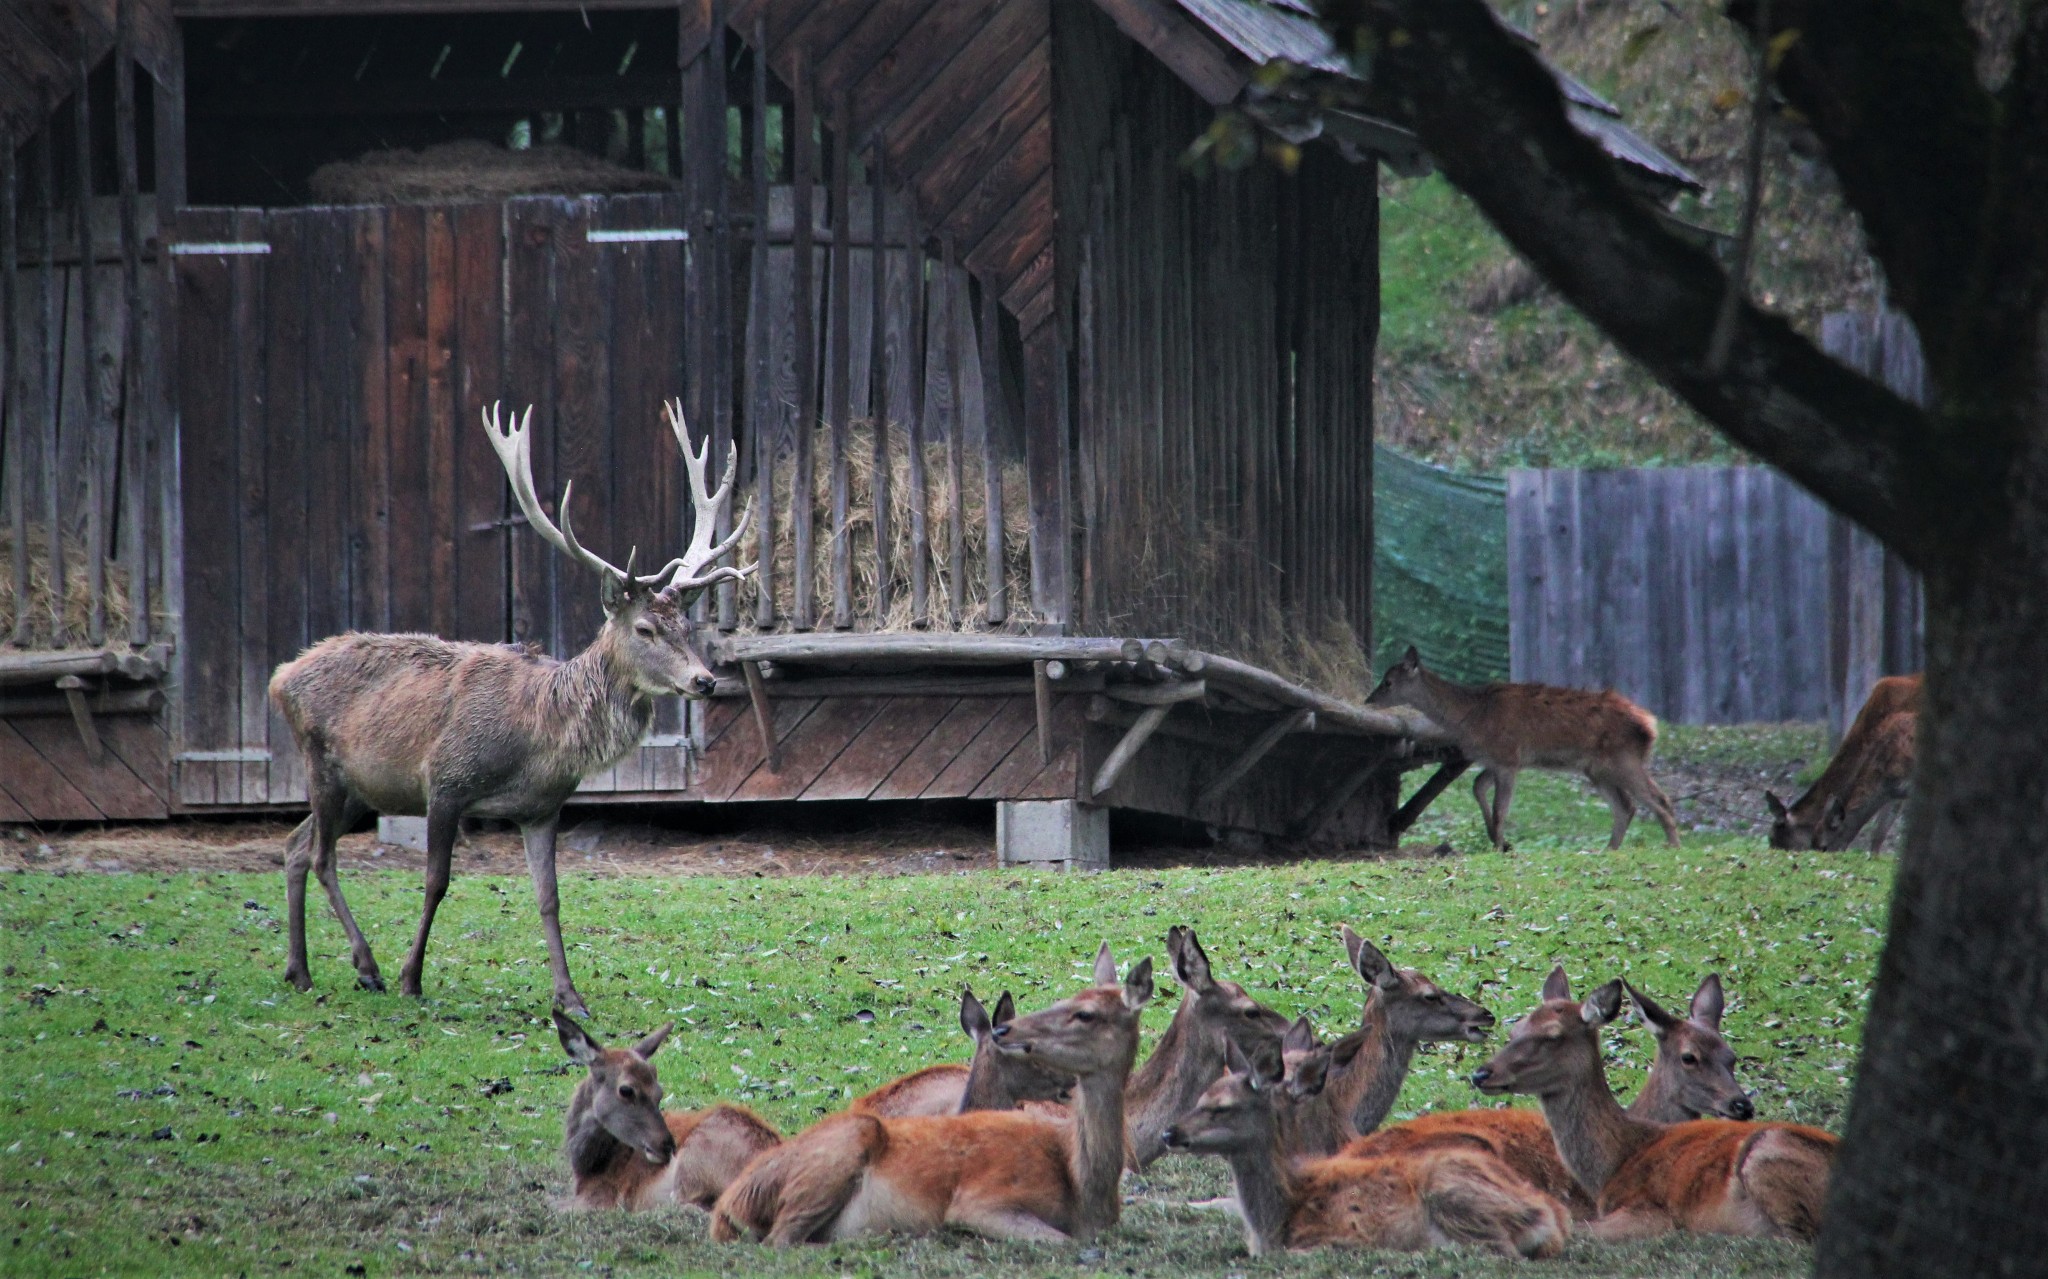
471 170
43 608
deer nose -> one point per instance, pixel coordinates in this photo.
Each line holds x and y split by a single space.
703 685
1742 1108
1481 1075
1171 1137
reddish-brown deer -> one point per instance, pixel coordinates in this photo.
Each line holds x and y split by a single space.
991 1080
422 726
1505 728
1710 1176
1870 774
1005 1174
625 1151
1431 1199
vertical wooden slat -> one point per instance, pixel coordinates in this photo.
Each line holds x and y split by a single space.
920 496
12 397
285 479
803 607
532 227
208 688
480 576
1087 356
583 439
991 454
410 515
878 376
331 438
439 550
95 415
839 397
133 541
251 427
761 416
956 545
47 339
1045 462
376 556
720 422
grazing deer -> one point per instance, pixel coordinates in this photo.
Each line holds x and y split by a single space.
1432 1199
1005 1174
1871 772
1189 1055
624 1151
417 725
1709 1176
1505 728
992 1080
1692 1075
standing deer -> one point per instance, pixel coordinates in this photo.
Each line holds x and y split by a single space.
1709 1176
1505 728
1004 1174
992 1080
1871 772
416 725
1431 1199
625 1151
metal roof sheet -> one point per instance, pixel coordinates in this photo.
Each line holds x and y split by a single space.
1266 33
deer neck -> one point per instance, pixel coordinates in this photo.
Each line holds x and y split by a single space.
1448 702
598 712
1367 1089
600 1165
1595 1136
1657 1103
1263 1180
1187 1059
984 1089
1096 1161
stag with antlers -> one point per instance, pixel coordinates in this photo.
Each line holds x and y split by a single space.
416 725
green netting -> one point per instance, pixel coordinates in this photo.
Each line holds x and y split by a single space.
1440 567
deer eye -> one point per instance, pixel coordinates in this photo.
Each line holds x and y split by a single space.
1690 1059
1084 1016
1434 997
626 1092
644 627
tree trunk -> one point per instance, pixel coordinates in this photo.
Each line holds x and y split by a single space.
1944 1170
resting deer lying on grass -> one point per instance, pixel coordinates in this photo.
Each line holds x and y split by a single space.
1709 1176
624 1151
1871 772
992 1080
1693 1074
1428 1200
1005 1174
1505 728
421 726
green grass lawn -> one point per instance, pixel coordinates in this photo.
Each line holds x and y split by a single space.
171 1105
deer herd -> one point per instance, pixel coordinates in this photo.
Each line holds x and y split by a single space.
1030 1139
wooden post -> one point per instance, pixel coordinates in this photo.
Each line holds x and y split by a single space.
1418 803
719 397
1300 721
920 530
839 392
168 96
956 559
761 410
1127 749
764 719
1353 782
878 383
46 199
134 409
10 400
1045 460
1041 692
991 455
95 415
803 606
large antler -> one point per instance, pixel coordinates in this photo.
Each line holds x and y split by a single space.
515 453
689 566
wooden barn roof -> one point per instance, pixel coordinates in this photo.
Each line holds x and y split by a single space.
44 43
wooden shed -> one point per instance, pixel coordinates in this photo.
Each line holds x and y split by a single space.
1061 449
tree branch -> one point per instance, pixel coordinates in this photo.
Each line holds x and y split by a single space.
1491 117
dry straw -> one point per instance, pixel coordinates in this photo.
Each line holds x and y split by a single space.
42 605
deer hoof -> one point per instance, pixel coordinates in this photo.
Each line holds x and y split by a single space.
370 982
299 978
573 1004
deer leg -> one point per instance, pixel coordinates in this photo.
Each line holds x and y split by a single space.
298 859
1503 795
1660 804
1881 825
350 811
1483 792
444 818
1620 805
540 863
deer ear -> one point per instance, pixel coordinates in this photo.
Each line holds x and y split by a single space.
1311 1072
1654 1016
1236 1063
1105 966
1834 814
1373 967
973 1017
1300 1037
647 1047
1137 986
1706 1003
576 1041
1603 1005
1776 805
1006 1010
1191 964
1411 659
613 593
1557 985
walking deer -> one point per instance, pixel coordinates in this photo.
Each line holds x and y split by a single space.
1005 1174
1505 728
1432 1199
991 1080
1710 1176
624 1151
1692 1075
1870 774
422 726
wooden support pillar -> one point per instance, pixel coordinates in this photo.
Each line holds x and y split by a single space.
1127 749
1353 782
804 152
48 337
11 407
73 689
134 457
1045 460
1418 803
991 455
920 522
839 388
956 477
764 719
95 409
878 378
761 412
1301 721
1041 693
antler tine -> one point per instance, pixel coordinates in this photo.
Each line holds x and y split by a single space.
688 567
514 448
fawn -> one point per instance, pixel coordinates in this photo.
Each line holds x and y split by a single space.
992 1080
1005 1174
1870 774
624 1151
1431 1199
1508 727
1709 1176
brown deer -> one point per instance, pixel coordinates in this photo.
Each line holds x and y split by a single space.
1505 728
1005 1174
1870 774
1692 1075
1709 1176
624 1151
992 1080
421 726
1432 1199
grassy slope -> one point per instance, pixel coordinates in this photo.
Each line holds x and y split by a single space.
172 1106
1469 383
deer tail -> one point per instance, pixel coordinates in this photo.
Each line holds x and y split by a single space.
794 1192
1784 1170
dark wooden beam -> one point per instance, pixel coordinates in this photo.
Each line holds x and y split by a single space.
818 33
1016 238
922 53
1027 284
483 96
968 192
1218 76
857 52
1034 311
959 101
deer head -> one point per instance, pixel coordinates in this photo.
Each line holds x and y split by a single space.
1555 1047
1089 1033
621 1096
648 633
1692 1055
1401 683
1788 832
1023 1077
1224 1004
1414 1007
1238 1111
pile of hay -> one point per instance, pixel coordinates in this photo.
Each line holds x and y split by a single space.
470 170
969 598
43 607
